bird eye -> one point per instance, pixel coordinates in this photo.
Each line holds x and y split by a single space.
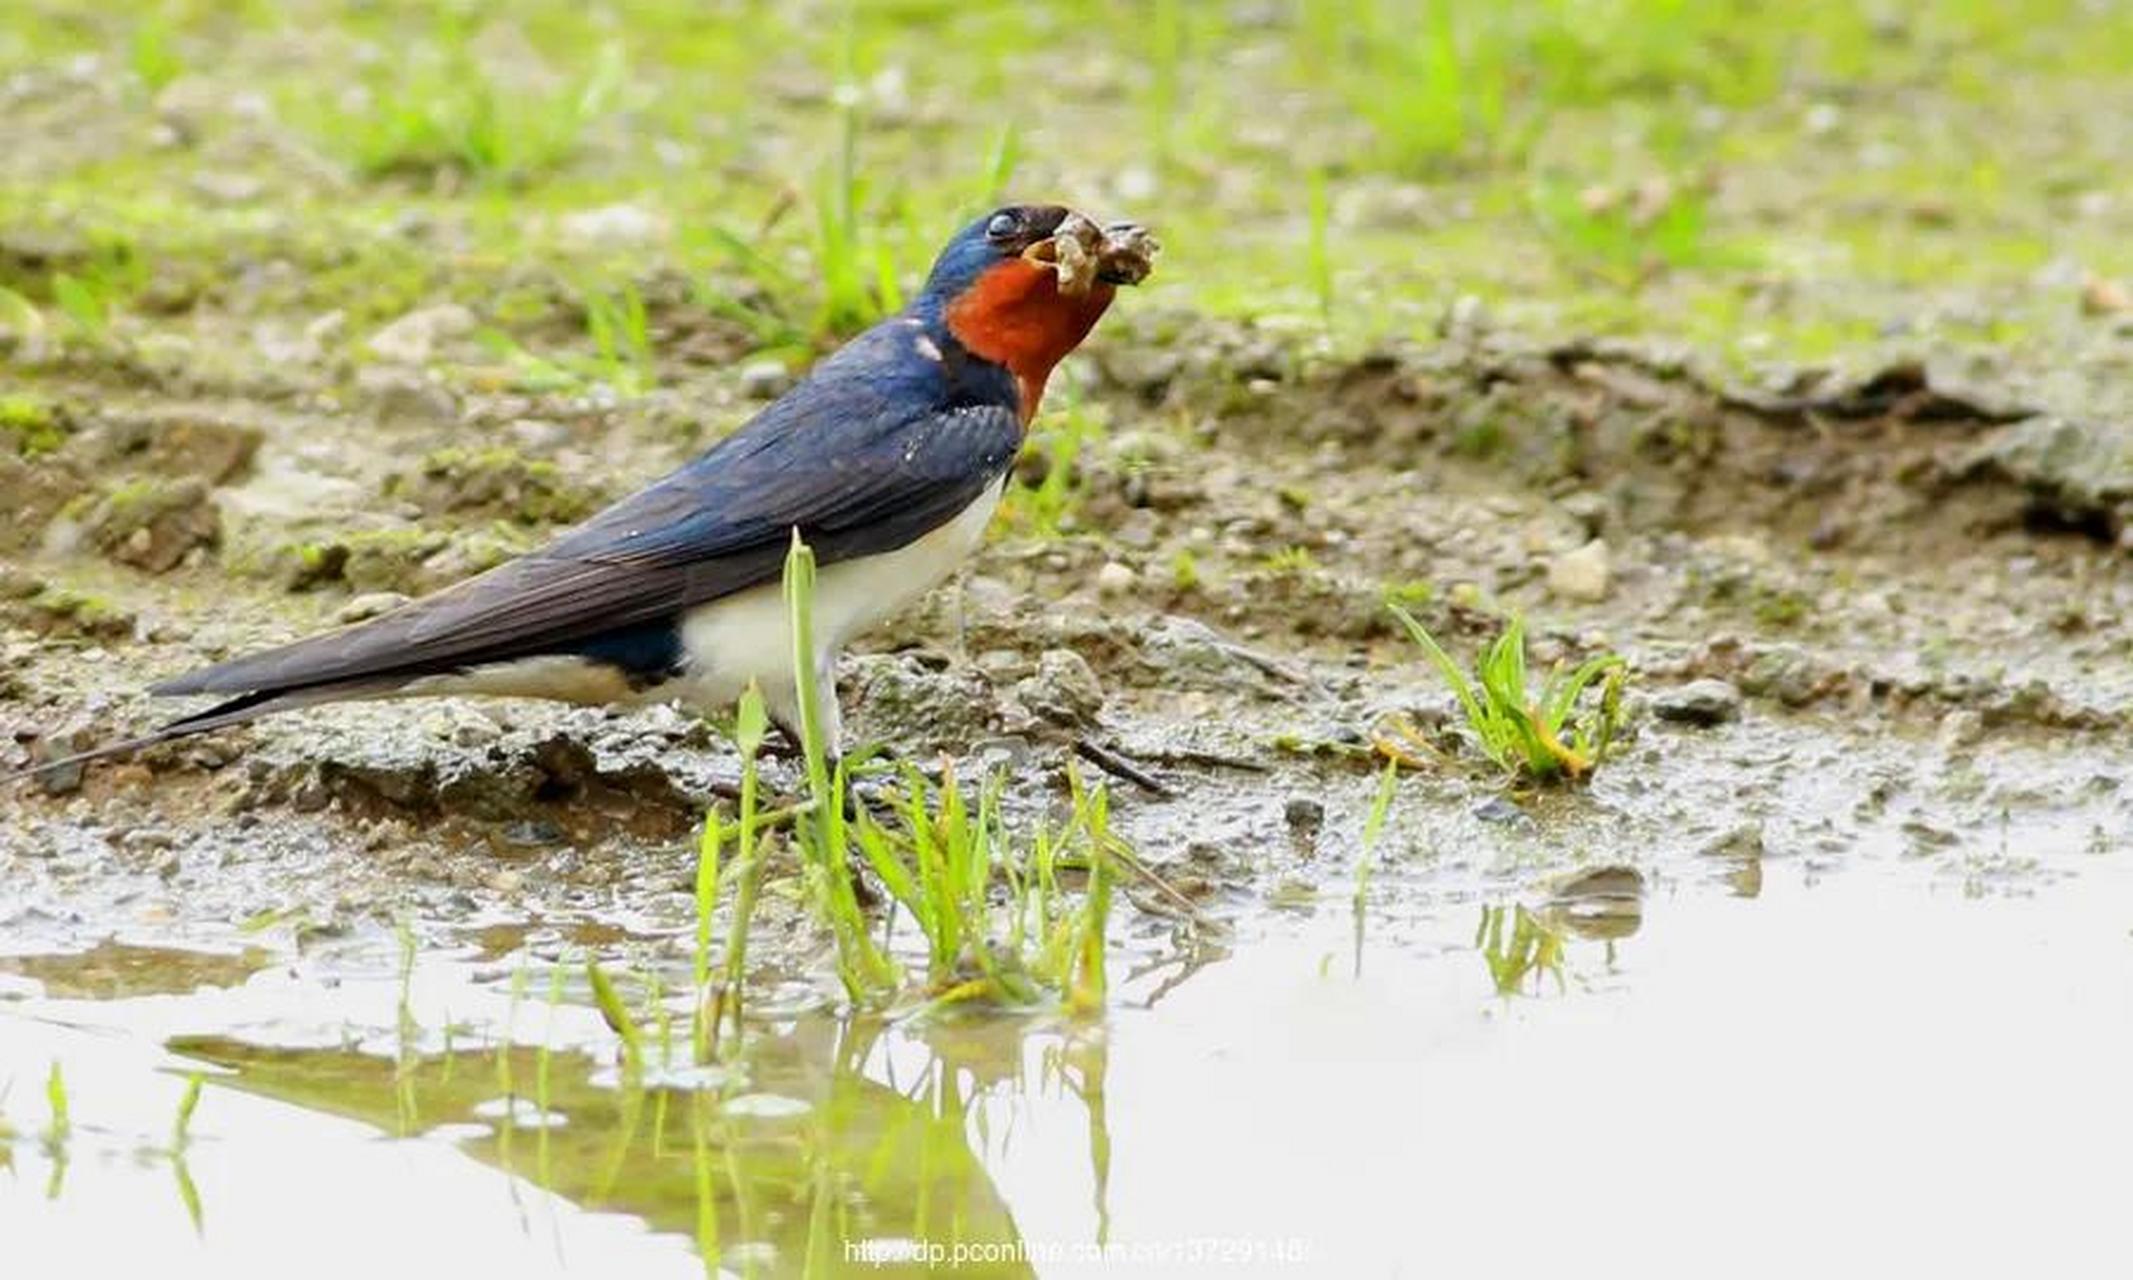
1003 225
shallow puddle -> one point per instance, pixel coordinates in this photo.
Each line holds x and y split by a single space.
1873 1066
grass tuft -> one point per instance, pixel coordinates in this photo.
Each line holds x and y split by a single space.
997 925
1625 237
440 110
1543 738
620 332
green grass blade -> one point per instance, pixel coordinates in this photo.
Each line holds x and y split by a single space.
1453 676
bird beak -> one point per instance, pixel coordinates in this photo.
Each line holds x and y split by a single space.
1083 254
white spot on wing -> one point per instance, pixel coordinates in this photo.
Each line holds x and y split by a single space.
927 348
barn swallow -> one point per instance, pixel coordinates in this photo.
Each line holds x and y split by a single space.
888 460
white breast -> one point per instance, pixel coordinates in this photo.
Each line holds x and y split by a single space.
746 636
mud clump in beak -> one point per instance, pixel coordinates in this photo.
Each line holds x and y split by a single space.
1082 254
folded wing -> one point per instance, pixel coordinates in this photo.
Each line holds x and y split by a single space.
853 475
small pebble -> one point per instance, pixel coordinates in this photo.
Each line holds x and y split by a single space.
1584 574
1699 702
1115 579
1302 813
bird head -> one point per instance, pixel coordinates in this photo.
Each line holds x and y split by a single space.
1023 285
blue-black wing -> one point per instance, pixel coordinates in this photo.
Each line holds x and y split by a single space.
857 463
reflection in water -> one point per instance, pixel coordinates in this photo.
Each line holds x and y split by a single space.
112 970
1533 945
807 1151
1256 1109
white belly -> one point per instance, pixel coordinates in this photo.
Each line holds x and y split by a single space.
748 635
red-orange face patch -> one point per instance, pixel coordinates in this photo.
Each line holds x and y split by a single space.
1016 317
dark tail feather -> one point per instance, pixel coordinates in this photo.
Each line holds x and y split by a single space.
222 715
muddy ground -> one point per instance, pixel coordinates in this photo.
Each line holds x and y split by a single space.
1897 574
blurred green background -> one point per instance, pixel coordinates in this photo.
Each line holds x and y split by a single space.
1764 181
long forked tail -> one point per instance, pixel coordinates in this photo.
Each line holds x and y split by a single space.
237 710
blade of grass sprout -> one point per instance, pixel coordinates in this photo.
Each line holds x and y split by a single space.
708 843
1320 250
1562 695
1366 863
886 287
1374 828
1447 668
188 1194
616 1014
1610 718
1000 170
55 1096
929 878
180 1133
863 969
751 723
880 853
1086 995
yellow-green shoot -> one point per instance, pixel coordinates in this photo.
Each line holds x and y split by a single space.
825 843
1543 738
1532 946
997 926
751 724
181 1130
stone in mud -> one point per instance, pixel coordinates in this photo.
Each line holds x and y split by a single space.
406 561
1303 814
32 491
1064 690
153 524
1183 653
1787 673
378 559
2080 473
1142 367
1585 575
415 337
495 482
903 701
1741 842
1961 728
465 555
1502 810
1699 702
395 394
182 443
1115 579
58 611
57 745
